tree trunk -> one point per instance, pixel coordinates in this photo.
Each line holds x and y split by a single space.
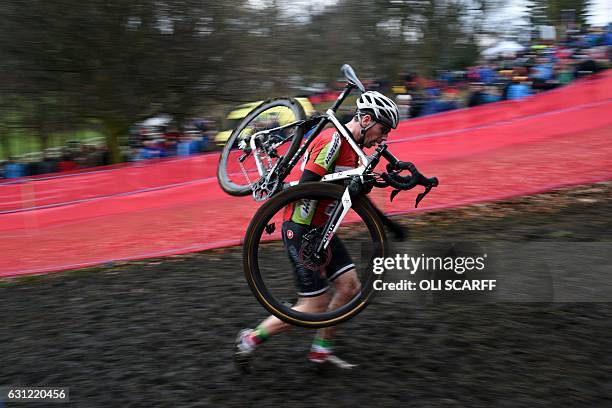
44 140
113 131
6 144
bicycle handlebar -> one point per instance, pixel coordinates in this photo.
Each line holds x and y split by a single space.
400 183
404 182
407 182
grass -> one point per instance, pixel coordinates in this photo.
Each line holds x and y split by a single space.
22 142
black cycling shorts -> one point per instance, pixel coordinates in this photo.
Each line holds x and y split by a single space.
311 282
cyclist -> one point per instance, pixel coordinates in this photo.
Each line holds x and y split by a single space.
375 117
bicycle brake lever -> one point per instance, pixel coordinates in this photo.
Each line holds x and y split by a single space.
393 194
422 196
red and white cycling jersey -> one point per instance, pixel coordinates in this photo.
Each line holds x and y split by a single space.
327 154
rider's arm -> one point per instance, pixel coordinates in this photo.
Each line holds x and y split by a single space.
399 232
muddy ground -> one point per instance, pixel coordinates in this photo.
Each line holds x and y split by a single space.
159 333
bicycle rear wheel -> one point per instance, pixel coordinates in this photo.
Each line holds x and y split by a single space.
237 168
282 273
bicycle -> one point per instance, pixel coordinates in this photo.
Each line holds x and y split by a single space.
258 149
346 206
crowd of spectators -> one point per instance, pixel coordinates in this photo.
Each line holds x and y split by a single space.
74 155
160 137
537 68
156 138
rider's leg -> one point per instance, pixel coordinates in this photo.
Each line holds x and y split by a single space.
347 286
316 304
273 325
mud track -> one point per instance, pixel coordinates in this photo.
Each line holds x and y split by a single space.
159 333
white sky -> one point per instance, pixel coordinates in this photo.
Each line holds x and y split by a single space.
600 10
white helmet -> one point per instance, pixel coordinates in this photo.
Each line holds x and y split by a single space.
383 108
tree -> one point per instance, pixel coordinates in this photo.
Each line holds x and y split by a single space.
71 63
115 62
556 12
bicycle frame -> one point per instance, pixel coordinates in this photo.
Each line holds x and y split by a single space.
282 168
340 211
344 132
282 171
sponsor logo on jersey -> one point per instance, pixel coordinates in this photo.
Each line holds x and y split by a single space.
289 234
306 208
334 145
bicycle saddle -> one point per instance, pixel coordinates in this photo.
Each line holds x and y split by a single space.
351 77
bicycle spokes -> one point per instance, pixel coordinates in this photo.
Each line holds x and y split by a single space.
265 137
293 263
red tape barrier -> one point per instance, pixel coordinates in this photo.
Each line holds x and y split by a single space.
563 137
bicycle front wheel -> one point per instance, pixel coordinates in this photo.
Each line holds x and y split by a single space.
237 168
283 273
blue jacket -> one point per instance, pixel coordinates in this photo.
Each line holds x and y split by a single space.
518 91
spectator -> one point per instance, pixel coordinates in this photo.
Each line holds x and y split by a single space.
170 140
438 103
207 131
93 156
563 73
14 169
472 74
518 89
67 163
477 94
449 100
486 74
105 153
32 161
492 94
189 144
432 102
607 37
594 38
541 74
48 164
587 65
151 149
80 159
